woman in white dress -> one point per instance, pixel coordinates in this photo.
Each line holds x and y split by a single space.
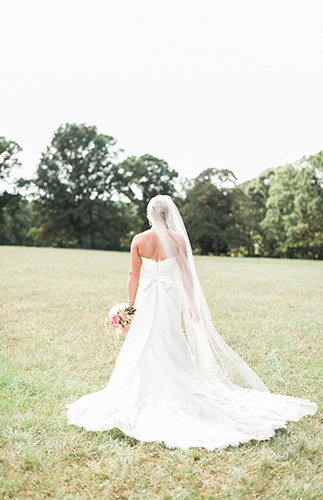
181 389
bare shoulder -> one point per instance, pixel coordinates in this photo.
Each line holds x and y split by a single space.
141 237
178 238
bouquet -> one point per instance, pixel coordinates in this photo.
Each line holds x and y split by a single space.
120 317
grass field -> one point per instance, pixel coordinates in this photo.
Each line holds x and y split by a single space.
54 348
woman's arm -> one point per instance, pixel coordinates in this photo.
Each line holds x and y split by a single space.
134 273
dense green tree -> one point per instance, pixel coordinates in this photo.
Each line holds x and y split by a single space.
257 191
15 212
242 235
279 207
286 209
15 220
76 180
316 161
86 198
142 178
212 213
305 225
294 214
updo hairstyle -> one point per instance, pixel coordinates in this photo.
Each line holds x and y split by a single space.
157 209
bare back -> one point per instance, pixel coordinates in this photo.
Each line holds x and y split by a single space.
148 246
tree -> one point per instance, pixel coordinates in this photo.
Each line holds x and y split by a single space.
8 156
211 213
76 180
242 235
293 221
305 226
15 213
15 220
316 161
140 179
279 206
257 191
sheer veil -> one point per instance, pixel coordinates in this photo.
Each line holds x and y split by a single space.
214 359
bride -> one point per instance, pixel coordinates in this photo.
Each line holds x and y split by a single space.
181 387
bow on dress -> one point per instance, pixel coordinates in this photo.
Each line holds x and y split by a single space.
147 281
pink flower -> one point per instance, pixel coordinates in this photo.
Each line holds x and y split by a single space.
114 321
112 313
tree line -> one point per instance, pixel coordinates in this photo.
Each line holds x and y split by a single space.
84 196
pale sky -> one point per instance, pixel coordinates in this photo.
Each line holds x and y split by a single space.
232 84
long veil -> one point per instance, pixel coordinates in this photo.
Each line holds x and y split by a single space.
214 359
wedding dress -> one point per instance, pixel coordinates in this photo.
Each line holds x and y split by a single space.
160 389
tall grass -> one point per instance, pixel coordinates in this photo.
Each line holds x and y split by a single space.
54 348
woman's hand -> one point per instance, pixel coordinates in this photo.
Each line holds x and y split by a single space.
194 314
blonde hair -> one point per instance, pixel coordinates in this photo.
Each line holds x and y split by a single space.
157 209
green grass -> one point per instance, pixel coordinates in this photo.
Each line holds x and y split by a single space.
54 348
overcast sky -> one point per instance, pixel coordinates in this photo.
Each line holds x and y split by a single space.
232 84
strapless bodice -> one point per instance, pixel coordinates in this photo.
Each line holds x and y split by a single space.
153 267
